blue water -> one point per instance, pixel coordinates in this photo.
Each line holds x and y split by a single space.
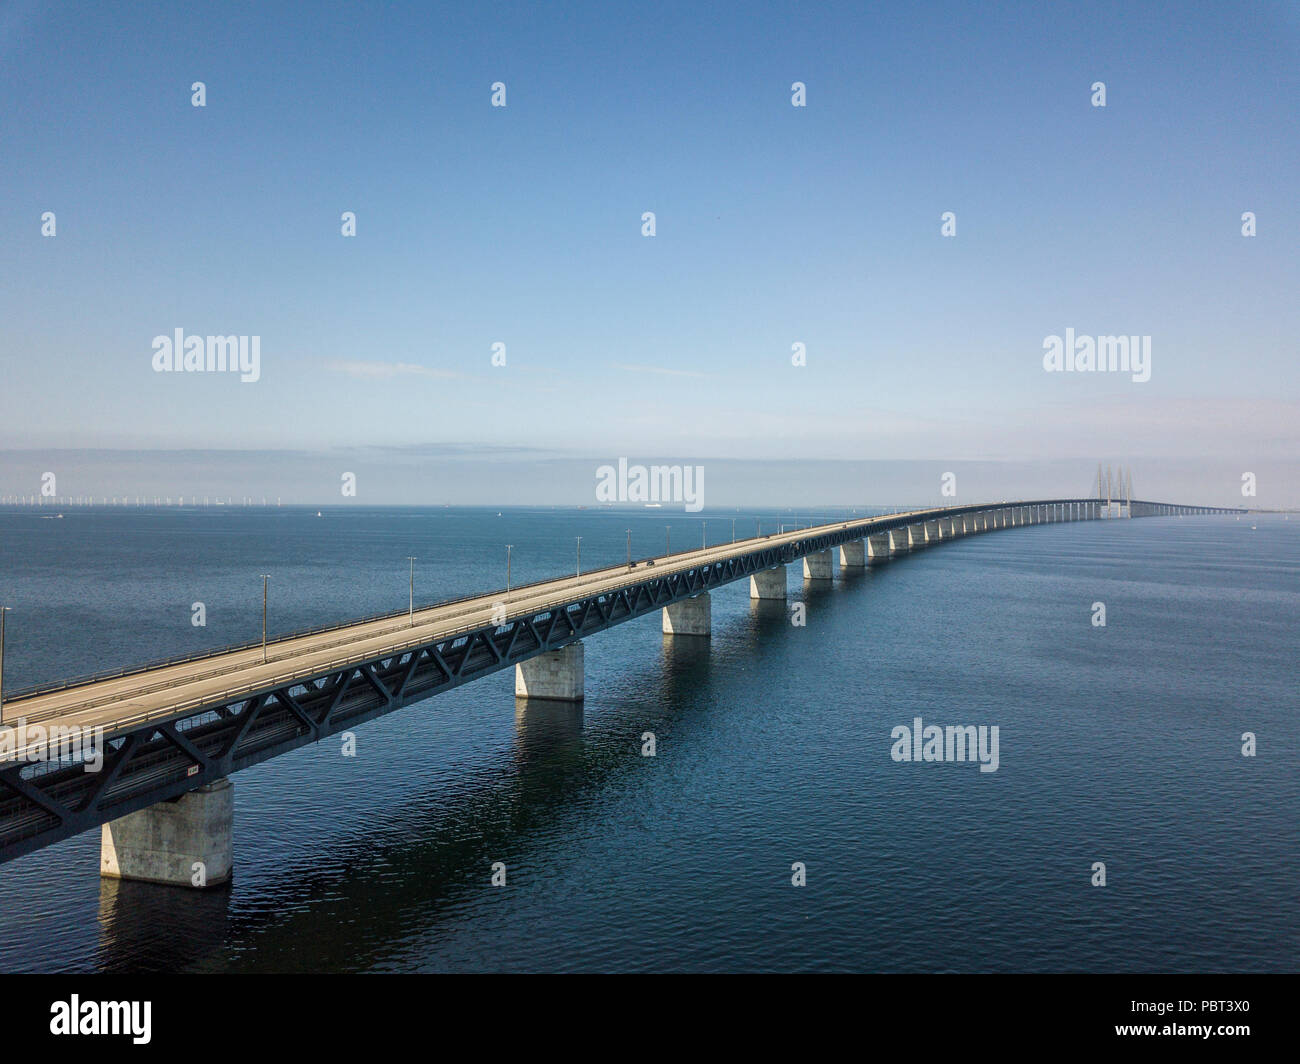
1119 744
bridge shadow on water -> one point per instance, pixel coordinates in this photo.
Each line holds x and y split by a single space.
426 861
416 868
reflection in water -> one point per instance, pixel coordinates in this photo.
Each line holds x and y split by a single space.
148 927
543 724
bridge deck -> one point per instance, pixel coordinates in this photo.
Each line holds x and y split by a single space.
167 691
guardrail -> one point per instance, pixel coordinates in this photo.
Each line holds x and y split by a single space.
600 576
235 648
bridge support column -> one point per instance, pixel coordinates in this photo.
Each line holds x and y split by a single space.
768 584
556 674
899 541
692 616
879 548
184 842
915 537
931 532
819 566
854 555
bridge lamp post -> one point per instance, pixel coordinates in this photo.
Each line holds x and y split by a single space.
509 548
411 607
629 548
668 540
704 545
3 611
266 579
579 570
733 530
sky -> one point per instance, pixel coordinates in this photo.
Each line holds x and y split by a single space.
775 225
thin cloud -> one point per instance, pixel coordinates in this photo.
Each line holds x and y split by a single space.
662 371
388 370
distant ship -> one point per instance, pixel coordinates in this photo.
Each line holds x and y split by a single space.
653 505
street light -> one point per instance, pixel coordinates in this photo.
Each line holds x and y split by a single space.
629 548
578 572
509 548
704 545
412 599
668 540
733 530
266 579
3 611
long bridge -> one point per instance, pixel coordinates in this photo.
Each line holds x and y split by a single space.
146 753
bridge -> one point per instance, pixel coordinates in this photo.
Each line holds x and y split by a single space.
145 753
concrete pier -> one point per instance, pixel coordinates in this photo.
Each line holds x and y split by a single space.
819 566
899 541
692 616
931 533
557 674
768 584
916 537
854 555
878 549
185 842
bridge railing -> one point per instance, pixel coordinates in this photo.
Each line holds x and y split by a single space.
49 687
226 695
85 679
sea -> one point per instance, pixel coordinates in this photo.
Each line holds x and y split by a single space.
1143 815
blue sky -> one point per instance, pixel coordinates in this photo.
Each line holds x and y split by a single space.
775 225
